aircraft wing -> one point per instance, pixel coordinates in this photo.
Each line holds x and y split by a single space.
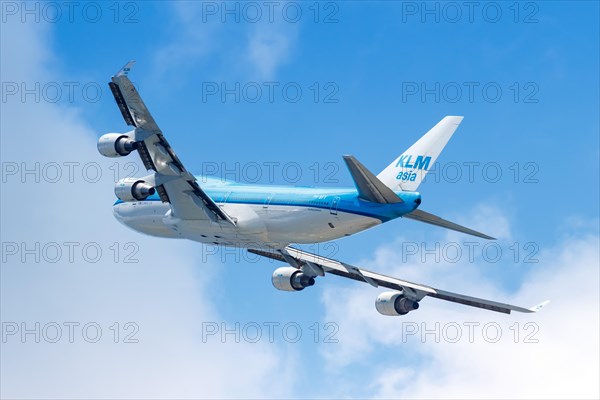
314 265
174 184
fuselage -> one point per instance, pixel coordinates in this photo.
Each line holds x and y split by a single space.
267 216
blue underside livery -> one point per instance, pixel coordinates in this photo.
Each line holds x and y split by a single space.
344 200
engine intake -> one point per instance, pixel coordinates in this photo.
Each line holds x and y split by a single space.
291 279
394 304
115 145
133 189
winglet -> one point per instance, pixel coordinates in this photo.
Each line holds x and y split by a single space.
539 306
125 70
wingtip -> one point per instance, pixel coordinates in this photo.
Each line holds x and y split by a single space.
457 119
348 158
539 306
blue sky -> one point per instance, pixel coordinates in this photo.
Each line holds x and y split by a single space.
369 63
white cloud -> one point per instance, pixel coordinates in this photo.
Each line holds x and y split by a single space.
487 219
243 46
564 363
190 38
165 293
269 47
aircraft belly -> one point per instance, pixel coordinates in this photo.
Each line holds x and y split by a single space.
154 218
256 226
312 225
249 230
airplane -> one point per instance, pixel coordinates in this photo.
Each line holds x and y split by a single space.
269 220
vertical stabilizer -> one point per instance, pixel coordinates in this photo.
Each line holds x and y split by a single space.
408 171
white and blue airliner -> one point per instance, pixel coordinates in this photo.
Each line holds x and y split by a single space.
269 220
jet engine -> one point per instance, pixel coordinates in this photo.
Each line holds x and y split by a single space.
115 145
395 303
133 189
291 279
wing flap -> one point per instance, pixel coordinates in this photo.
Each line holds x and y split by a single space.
114 88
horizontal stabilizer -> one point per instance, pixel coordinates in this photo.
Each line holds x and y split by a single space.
369 187
423 216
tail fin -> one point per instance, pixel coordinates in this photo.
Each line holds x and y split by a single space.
408 170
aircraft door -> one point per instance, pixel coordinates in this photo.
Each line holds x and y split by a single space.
267 202
334 206
225 198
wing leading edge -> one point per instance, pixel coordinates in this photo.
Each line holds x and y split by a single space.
307 261
174 184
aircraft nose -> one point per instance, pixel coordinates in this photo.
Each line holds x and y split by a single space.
117 208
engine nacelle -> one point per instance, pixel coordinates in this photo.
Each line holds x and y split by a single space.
291 279
133 189
394 304
115 145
